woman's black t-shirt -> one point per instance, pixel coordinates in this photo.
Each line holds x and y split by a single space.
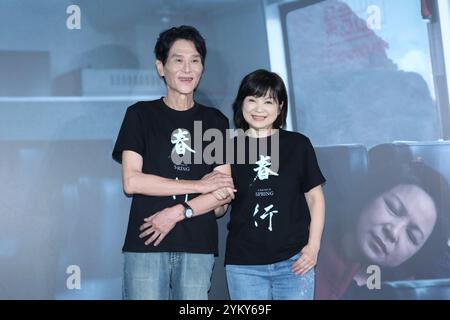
155 131
270 217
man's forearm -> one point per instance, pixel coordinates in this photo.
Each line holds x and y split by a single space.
153 185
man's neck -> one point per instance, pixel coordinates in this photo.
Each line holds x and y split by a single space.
179 102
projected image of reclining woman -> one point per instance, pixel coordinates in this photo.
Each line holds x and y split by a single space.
400 226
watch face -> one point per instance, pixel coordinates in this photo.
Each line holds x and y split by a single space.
188 213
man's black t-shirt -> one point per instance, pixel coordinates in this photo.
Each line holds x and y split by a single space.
156 132
270 217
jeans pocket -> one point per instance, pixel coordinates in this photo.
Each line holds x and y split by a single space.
295 257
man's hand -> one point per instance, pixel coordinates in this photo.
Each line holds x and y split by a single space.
307 260
213 181
159 224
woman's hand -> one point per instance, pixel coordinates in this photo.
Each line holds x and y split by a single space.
224 194
307 260
213 181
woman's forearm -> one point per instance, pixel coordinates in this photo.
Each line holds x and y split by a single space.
206 203
316 205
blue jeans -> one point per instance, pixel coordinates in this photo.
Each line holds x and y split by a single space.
167 275
269 282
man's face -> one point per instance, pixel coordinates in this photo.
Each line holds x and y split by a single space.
183 68
393 227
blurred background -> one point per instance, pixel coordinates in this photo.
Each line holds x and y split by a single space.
366 79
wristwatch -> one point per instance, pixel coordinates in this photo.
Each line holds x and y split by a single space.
188 212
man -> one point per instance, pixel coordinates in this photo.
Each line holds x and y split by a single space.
168 195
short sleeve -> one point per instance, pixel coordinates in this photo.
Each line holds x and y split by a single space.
131 135
312 175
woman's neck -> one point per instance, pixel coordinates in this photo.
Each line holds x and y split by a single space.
351 252
261 133
349 247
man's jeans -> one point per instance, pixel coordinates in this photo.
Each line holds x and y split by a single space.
269 282
167 275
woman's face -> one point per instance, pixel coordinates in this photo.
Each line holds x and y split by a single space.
393 227
260 112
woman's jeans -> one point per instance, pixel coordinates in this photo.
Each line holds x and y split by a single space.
167 275
269 282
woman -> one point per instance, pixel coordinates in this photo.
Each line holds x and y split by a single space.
278 213
398 225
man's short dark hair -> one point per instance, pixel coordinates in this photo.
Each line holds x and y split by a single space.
169 36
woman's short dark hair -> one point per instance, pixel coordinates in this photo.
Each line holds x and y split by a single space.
258 83
169 36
